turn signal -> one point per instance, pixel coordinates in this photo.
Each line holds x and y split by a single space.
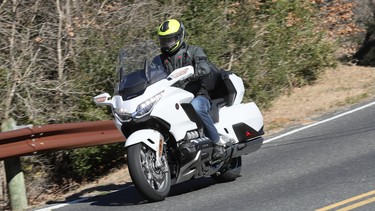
100 99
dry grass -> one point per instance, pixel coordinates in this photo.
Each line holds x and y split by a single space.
336 88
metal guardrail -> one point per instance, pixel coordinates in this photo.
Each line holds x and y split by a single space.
31 140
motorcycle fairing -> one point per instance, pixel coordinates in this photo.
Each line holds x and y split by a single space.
172 111
163 87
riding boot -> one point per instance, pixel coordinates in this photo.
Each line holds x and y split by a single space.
218 153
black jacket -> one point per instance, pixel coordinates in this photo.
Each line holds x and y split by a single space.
194 56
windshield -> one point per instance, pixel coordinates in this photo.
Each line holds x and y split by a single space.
138 66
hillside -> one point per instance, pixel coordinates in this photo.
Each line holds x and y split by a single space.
335 89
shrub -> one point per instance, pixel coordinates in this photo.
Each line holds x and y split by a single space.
272 45
286 51
86 164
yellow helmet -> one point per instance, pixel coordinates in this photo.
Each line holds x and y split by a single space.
171 35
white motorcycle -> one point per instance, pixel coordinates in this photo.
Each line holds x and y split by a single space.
165 141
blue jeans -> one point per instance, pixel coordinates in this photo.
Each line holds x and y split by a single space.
202 106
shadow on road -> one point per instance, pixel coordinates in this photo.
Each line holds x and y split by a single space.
128 195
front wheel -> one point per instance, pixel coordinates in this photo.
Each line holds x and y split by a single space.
230 172
151 179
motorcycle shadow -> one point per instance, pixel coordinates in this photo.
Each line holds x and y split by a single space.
128 195
190 186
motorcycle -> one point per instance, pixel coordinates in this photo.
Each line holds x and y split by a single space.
165 141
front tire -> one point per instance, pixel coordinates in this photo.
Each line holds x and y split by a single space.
230 172
151 180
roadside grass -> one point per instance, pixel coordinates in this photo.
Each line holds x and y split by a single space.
335 89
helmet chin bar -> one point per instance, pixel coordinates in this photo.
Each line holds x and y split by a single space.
168 51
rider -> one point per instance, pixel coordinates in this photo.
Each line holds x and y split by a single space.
175 54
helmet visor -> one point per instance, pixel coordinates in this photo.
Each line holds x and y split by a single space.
168 41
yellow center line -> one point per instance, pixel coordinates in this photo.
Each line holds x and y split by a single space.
347 201
359 204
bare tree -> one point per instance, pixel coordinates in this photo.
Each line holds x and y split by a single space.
47 46
36 47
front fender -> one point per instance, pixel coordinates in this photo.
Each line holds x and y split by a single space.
152 138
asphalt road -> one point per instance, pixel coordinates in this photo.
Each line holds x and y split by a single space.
329 163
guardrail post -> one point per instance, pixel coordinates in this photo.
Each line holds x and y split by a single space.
14 175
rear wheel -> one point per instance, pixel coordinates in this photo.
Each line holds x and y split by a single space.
153 180
230 172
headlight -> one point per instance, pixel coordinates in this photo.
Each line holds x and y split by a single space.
123 115
142 109
146 107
